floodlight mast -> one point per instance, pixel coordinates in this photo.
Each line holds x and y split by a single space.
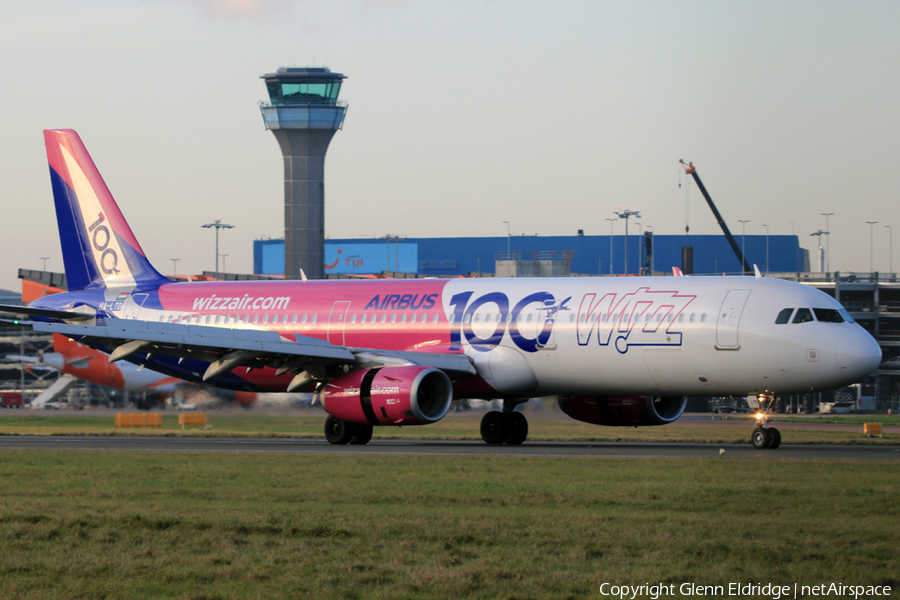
692 171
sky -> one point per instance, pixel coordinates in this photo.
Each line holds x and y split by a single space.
462 114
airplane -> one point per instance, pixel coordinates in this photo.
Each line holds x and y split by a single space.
78 361
617 351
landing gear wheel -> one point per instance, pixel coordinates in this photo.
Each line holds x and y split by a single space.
338 431
774 438
518 428
760 438
362 435
494 427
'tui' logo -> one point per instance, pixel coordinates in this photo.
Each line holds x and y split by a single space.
100 239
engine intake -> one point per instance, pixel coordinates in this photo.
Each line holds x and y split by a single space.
412 395
620 411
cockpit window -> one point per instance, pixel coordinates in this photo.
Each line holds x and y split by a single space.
784 316
846 315
804 315
828 315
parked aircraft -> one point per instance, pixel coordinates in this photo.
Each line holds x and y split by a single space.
617 351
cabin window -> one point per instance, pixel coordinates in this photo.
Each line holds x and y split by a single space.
315 318
227 320
255 319
412 319
303 319
403 318
362 319
353 318
394 318
451 317
530 318
384 317
478 318
647 319
693 315
246 318
467 318
804 315
583 318
572 318
784 316
208 319
294 318
703 318
670 318
265 319
435 319
658 317
828 315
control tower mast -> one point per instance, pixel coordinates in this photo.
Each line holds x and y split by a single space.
304 114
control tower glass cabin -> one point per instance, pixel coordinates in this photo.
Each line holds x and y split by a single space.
303 114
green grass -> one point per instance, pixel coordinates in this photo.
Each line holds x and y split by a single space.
204 526
545 426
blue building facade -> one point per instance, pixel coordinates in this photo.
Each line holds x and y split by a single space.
588 254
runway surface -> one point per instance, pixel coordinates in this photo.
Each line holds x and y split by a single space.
420 447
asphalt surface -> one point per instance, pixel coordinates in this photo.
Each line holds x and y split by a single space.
418 447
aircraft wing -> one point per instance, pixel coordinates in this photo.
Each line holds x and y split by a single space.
309 359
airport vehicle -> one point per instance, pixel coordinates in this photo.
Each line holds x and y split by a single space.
10 399
618 351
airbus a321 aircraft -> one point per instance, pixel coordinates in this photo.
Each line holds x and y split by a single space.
618 351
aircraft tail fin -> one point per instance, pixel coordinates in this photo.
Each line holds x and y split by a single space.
99 248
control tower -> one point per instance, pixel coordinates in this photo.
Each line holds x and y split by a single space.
304 114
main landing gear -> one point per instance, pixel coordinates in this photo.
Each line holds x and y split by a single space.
338 431
507 427
765 437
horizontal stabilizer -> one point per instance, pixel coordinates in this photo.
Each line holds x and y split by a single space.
62 315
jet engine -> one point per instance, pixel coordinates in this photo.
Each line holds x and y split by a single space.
413 395
617 411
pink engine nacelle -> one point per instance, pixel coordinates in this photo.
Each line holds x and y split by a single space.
413 395
618 411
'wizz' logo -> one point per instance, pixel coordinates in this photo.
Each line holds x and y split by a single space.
641 318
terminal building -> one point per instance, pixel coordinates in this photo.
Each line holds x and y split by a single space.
524 256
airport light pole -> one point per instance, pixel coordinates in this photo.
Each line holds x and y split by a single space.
819 235
891 247
716 264
224 268
871 245
508 238
218 224
650 227
827 241
743 223
625 214
174 266
767 249
45 259
611 221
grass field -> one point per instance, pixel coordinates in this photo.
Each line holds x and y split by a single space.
546 426
202 526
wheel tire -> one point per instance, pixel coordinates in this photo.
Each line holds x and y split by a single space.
362 435
774 438
760 438
338 431
494 427
518 428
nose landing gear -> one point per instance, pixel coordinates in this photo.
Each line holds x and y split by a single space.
507 427
765 437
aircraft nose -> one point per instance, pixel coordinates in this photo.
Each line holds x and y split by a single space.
858 355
